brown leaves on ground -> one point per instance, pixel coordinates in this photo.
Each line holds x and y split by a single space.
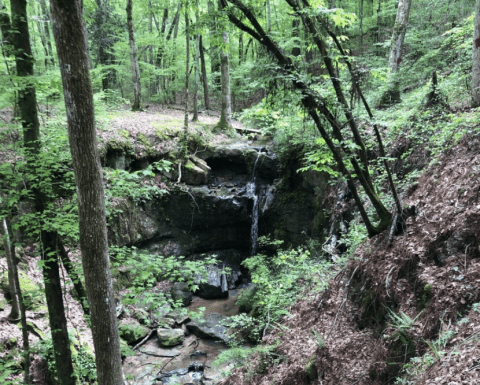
433 267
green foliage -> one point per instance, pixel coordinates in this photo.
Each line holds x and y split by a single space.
83 359
140 186
278 280
141 272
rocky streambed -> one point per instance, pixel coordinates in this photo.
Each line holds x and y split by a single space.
183 350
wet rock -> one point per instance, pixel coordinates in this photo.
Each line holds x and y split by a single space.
193 374
131 331
181 292
209 327
216 286
157 351
170 337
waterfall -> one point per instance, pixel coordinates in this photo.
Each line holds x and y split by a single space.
252 193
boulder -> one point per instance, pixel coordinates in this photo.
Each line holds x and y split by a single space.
194 175
131 331
209 327
170 337
216 285
178 316
181 292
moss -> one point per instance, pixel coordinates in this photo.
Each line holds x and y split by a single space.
125 349
426 297
131 332
32 293
311 370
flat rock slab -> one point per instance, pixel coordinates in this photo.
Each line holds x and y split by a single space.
209 327
160 352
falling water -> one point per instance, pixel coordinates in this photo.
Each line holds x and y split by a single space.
252 193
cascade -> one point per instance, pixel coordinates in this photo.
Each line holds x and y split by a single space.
252 193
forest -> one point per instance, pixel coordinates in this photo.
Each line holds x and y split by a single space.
239 192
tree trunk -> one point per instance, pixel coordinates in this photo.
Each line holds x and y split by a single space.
187 73
214 57
9 247
226 111
48 38
204 75
240 48
476 59
361 24
27 103
197 67
77 88
137 87
398 36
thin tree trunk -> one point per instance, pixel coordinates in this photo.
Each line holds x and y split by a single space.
187 65
398 36
214 57
476 59
7 229
137 87
48 38
31 135
361 24
74 277
226 111
204 75
240 48
9 247
269 17
78 94
197 67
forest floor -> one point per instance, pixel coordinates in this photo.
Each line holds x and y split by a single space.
429 278
111 127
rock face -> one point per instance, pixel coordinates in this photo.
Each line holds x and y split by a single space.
181 292
216 286
209 327
170 337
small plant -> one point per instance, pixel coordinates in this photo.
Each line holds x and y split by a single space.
402 322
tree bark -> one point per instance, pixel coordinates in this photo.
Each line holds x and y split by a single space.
226 111
204 75
9 247
476 59
398 36
187 73
137 87
7 229
48 38
77 88
197 67
27 103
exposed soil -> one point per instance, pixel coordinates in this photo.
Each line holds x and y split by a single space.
430 273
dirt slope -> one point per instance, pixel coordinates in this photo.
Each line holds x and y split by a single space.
429 278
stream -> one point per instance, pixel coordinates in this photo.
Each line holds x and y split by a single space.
151 359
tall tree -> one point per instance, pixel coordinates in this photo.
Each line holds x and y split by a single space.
197 65
204 74
137 87
77 89
187 68
226 104
398 36
27 103
476 59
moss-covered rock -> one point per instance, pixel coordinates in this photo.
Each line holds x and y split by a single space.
132 331
170 337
